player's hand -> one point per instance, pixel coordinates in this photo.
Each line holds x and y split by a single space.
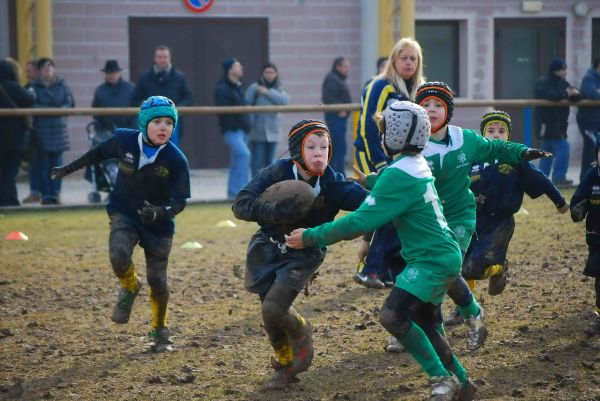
579 211
533 154
359 177
58 172
294 240
563 209
363 250
150 213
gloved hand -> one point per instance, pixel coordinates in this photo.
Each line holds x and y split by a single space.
533 154
150 213
59 172
579 210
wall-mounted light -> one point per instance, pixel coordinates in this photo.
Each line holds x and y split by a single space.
581 9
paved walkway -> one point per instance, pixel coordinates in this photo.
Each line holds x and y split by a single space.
206 185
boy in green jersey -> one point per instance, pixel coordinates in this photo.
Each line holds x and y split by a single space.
404 194
450 153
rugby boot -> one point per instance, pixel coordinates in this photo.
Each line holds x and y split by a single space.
162 339
443 388
284 375
303 350
477 332
393 345
369 280
467 391
124 305
497 282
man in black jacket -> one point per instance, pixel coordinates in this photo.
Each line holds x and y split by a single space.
335 91
162 79
552 121
235 127
113 92
13 138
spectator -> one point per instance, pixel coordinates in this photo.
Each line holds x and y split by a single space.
335 91
588 118
114 92
552 121
264 133
380 65
50 132
235 127
33 162
162 79
13 131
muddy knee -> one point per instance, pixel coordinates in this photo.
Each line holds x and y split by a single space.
395 323
120 258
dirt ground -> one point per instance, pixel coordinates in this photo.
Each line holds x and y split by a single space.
57 341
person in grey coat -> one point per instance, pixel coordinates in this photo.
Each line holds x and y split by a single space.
51 132
264 131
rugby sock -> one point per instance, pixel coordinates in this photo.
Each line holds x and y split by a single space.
283 351
471 283
471 309
129 279
419 347
493 270
159 309
458 369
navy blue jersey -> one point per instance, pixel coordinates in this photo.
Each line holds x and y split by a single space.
588 191
164 182
499 188
336 194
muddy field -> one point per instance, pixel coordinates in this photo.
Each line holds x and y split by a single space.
57 341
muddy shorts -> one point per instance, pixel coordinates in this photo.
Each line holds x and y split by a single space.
488 247
268 261
592 265
125 229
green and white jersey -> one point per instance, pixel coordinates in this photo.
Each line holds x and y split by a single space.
450 162
404 193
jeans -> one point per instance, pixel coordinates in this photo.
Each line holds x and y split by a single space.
337 128
559 163
35 187
50 188
262 155
239 161
10 161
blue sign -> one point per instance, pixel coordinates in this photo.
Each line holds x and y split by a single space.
198 6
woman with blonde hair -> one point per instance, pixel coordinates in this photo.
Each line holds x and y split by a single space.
402 75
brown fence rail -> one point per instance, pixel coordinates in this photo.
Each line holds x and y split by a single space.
88 111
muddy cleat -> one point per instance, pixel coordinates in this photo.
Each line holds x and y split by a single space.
122 309
284 375
467 391
477 332
443 388
593 328
393 345
161 339
369 280
497 282
454 319
303 350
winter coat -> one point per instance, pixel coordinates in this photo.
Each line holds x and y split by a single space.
170 83
335 89
13 130
118 95
590 89
228 93
51 132
551 121
265 127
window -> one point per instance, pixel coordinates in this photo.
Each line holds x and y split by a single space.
440 43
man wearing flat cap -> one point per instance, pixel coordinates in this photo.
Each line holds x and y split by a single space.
114 92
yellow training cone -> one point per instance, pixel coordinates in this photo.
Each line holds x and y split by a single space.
226 223
16 236
192 245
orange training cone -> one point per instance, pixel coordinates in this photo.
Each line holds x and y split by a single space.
16 236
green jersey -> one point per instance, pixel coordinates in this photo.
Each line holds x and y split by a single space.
450 162
404 193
